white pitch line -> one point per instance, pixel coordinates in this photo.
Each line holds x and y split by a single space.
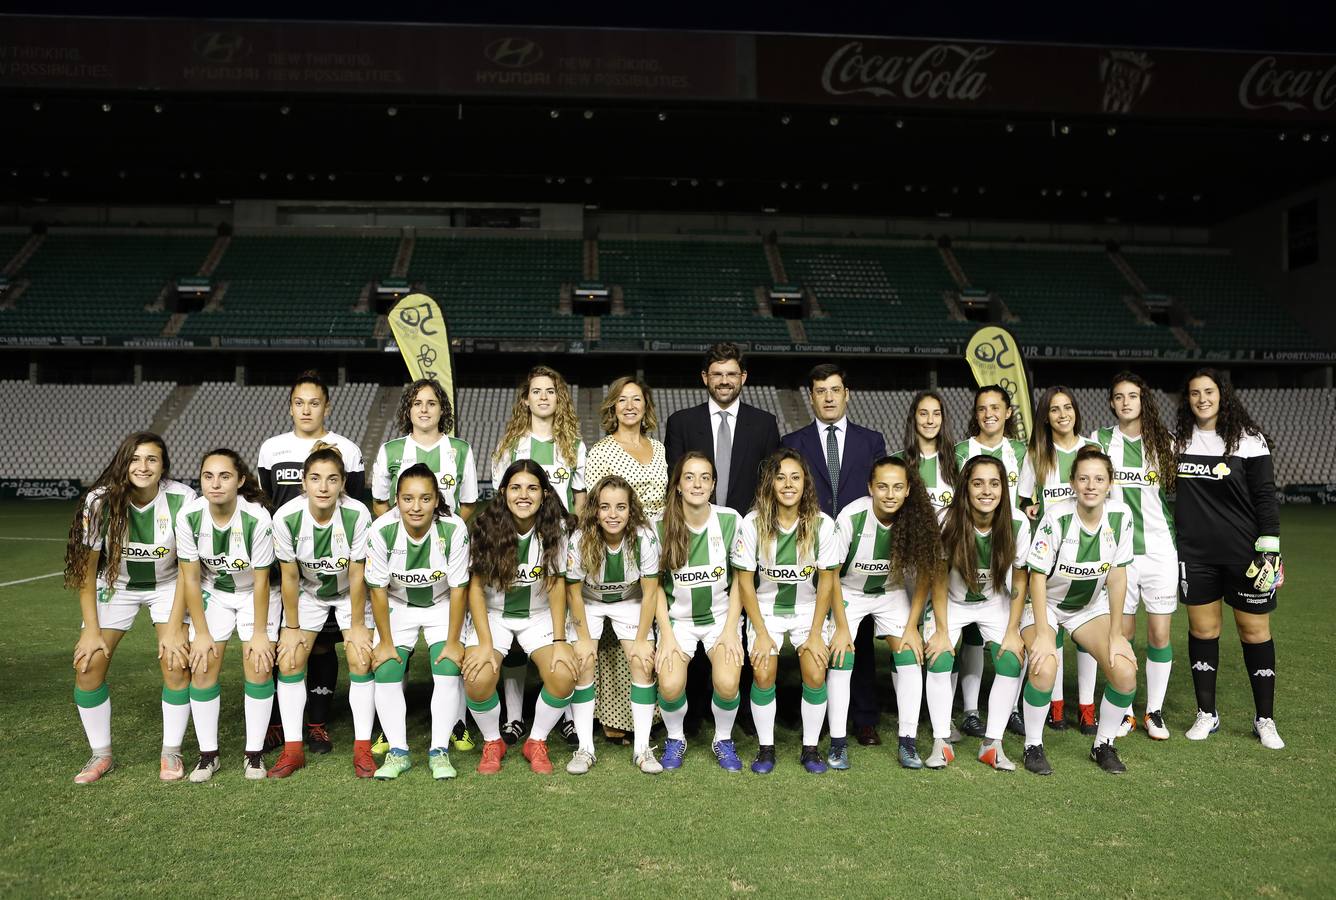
5 584
5 537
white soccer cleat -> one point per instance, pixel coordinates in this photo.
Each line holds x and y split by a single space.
581 762
1126 727
1206 725
1155 726
1265 729
647 763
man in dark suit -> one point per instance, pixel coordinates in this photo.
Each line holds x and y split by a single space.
840 455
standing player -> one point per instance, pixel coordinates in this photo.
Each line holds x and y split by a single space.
417 570
1228 544
791 550
929 449
612 574
887 540
279 467
225 543
124 534
1141 448
320 543
1078 580
701 605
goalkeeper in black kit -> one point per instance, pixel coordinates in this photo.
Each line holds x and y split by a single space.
1228 544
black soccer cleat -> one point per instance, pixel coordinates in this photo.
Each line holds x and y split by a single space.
1107 757
512 732
1036 761
972 725
1015 724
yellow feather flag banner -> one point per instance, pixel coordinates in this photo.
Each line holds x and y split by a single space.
995 358
424 340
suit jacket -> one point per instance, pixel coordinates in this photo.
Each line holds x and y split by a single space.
862 446
755 436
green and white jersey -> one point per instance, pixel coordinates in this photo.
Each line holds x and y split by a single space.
148 547
1009 450
450 458
322 552
228 555
619 577
698 592
1137 483
959 592
567 476
417 572
786 576
1057 483
940 491
864 551
527 594
1078 561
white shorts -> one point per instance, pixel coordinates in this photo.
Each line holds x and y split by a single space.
225 613
689 635
406 622
624 616
989 615
1152 580
118 612
798 627
1071 620
532 632
313 612
889 611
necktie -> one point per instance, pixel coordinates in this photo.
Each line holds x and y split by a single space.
723 455
833 461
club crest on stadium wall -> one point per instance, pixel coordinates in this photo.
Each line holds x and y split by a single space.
1126 77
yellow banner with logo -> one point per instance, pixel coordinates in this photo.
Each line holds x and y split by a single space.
995 358
424 340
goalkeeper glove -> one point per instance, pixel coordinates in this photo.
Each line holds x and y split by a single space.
1266 570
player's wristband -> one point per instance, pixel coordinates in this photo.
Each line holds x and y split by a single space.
557 639
293 627
1267 544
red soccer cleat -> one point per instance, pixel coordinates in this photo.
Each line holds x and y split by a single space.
364 764
536 753
290 760
492 751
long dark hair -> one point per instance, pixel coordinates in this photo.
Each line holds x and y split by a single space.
111 506
495 542
916 542
403 417
249 489
1008 427
590 536
1155 435
946 457
958 529
1041 439
676 535
1232 423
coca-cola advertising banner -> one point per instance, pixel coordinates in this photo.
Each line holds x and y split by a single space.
998 77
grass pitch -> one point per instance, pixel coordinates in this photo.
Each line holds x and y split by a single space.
1223 817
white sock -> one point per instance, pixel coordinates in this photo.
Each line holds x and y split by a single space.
512 689
489 722
1035 716
175 719
546 716
723 721
999 710
1157 683
582 713
909 697
362 702
97 726
642 716
1058 678
939 693
1110 718
814 716
763 716
1086 670
674 721
971 676
392 711
205 715
444 708
837 701
258 710
291 706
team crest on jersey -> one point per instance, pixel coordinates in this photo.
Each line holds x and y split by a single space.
441 545
560 474
164 523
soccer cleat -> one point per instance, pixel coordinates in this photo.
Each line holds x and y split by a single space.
956 736
1015 724
1086 718
1155 726
1265 729
1056 715
317 738
581 762
461 738
95 768
171 767
536 753
942 753
396 763
204 769
273 737
727 755
381 746
908 753
647 763
1036 761
765 760
492 752
972 725
1107 757
812 761
364 764
992 754
1205 725
512 732
567 731
253 767
1127 726
289 761
838 757
673 753
438 761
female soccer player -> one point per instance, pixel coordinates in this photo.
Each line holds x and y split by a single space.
124 535
1141 448
701 604
279 467
612 573
417 570
1228 544
225 542
790 548
928 447
1045 479
984 540
425 419
517 594
320 540
1078 581
887 539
